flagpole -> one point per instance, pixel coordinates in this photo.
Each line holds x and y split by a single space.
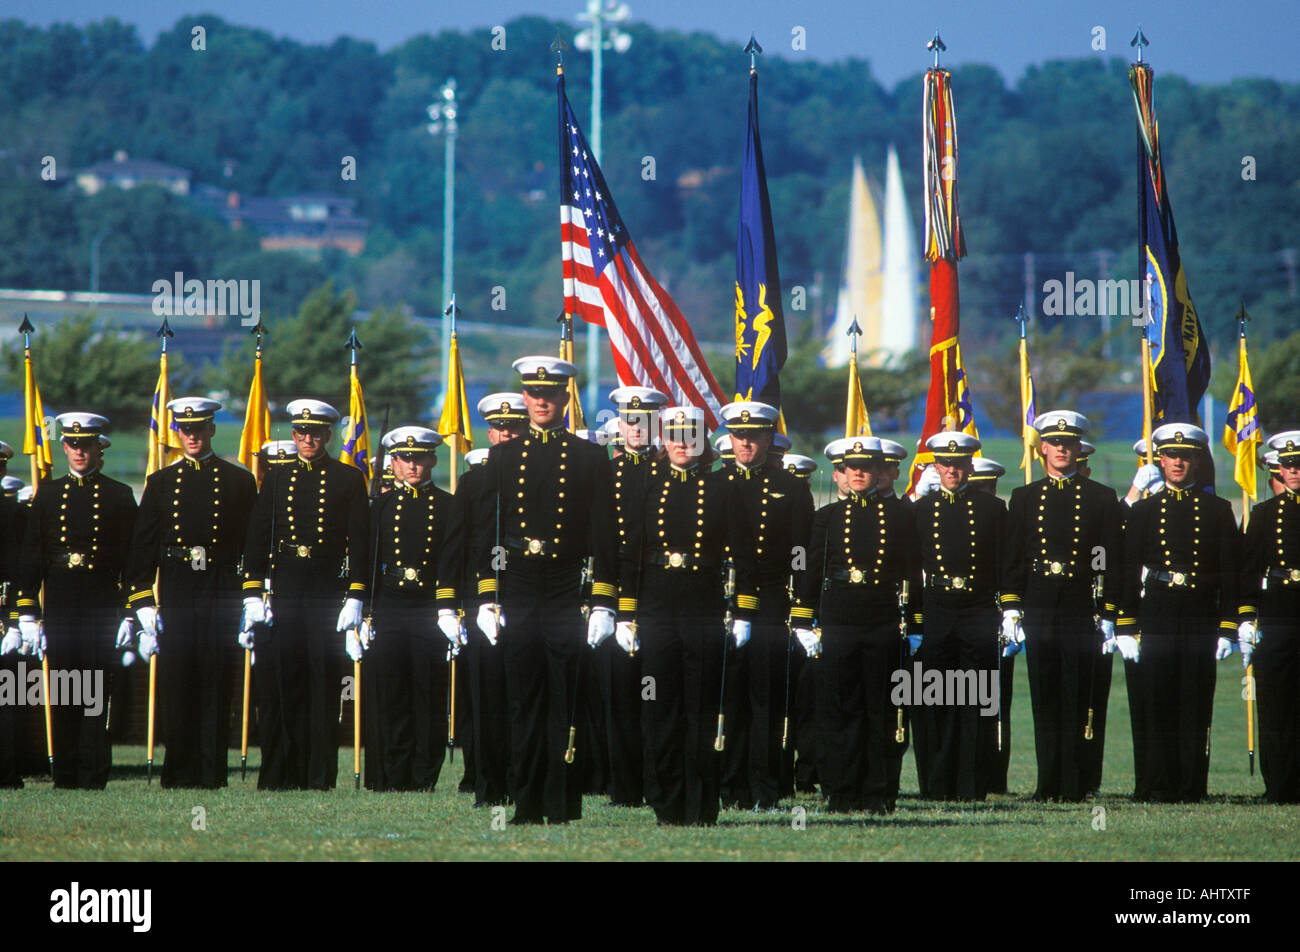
1138 42
452 311
26 330
1027 456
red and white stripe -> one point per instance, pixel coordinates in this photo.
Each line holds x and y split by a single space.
652 342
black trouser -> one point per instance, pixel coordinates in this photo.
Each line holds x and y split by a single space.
11 724
300 665
1137 712
1277 686
546 653
1093 756
197 660
1179 633
1063 648
82 614
961 635
620 685
804 692
592 726
464 721
404 695
859 756
491 715
679 625
753 758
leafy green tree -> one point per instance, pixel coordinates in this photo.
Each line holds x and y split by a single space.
82 363
305 355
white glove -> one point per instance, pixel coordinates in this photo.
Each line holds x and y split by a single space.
600 625
1107 629
30 631
1223 649
128 658
491 620
1247 639
12 640
927 484
351 643
1012 648
366 633
1012 632
350 615
740 631
125 634
625 635
1128 647
254 613
148 645
246 640
812 645
913 643
150 623
453 630
1148 478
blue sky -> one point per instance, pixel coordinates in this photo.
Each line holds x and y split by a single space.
1204 40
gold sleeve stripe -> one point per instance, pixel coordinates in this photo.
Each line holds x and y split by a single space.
747 602
1226 625
445 593
357 587
603 589
252 584
800 612
487 586
626 604
143 593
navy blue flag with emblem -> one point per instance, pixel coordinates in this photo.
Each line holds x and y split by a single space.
760 319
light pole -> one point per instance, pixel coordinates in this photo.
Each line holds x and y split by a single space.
602 35
443 114
94 258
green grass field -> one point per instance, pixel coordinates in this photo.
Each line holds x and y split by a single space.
131 821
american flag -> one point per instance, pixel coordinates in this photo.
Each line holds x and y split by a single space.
606 283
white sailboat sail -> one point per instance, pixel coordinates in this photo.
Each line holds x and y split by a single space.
901 283
860 284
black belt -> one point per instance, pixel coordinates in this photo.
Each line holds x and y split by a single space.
193 554
529 546
405 573
953 583
1172 579
1046 567
679 560
858 577
1286 575
70 559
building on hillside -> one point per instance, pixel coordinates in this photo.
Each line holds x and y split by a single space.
122 171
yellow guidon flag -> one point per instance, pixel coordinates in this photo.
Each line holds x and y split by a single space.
36 441
454 425
1241 435
257 422
163 445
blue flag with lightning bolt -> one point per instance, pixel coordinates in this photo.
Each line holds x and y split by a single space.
760 319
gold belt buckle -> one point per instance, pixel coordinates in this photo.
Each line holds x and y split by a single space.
675 559
959 582
304 551
1056 568
1295 575
196 552
534 546
409 573
856 576
1178 579
75 559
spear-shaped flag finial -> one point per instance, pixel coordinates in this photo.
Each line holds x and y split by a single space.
353 344
165 330
558 46
1139 40
452 311
1241 318
754 51
936 46
26 326
853 333
1021 318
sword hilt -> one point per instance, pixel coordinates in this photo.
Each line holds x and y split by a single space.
900 733
571 750
1087 728
720 741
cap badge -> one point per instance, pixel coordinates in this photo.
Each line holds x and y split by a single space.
952 446
505 406
636 402
681 416
857 447
541 373
744 416
76 426
410 440
1060 424
1178 437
